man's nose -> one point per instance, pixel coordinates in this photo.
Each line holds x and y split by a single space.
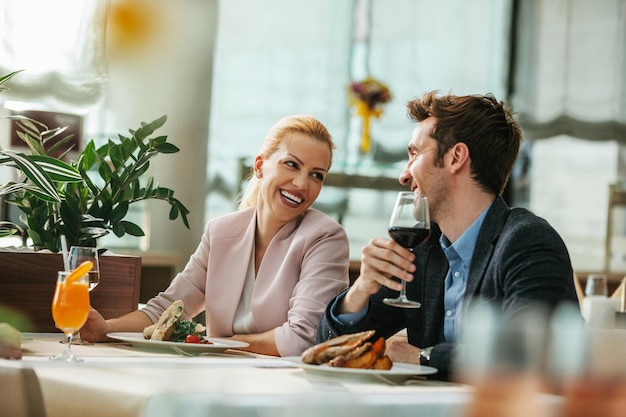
405 177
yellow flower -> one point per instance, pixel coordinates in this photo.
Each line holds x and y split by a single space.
367 97
369 91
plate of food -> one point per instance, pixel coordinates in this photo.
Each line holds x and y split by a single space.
398 371
356 355
206 344
171 332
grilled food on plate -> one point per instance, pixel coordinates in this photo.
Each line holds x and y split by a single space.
350 351
171 327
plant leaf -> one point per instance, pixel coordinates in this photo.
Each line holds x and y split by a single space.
7 78
57 169
131 228
119 212
166 148
34 173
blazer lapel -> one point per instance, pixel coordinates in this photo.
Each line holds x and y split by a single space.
485 244
228 275
428 288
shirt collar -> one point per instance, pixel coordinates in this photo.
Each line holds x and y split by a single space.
465 244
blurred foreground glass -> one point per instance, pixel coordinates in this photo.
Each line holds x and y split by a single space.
504 358
70 308
597 309
596 285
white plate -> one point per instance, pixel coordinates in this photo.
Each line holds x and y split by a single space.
218 345
398 371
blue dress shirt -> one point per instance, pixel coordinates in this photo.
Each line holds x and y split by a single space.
459 256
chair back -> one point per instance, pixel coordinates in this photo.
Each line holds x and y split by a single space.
20 395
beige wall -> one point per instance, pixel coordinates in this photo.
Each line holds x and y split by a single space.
169 73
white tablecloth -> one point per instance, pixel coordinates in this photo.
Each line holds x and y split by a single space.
119 380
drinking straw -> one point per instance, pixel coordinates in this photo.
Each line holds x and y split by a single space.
66 260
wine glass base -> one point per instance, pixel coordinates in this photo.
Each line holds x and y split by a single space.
402 302
77 341
64 357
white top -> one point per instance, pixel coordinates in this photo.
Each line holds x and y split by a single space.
243 322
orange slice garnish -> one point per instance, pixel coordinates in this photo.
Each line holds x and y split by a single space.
79 272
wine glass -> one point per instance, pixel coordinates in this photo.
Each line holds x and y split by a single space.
79 254
409 226
70 308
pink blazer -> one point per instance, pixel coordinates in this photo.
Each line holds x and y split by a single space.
304 267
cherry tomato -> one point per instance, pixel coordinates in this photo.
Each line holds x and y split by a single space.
192 338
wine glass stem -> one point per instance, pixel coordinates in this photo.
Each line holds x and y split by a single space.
68 344
403 290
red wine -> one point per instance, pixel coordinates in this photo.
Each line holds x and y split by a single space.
409 237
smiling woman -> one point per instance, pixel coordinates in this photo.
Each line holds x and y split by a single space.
263 274
288 126
290 180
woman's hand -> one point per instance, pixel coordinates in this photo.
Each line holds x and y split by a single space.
263 343
381 260
95 328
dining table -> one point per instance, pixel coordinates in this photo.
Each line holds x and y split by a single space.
122 379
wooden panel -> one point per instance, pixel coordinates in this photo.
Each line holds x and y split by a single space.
158 268
27 282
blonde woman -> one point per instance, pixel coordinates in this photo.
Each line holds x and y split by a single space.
264 273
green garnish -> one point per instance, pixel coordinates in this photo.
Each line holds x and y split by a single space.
182 329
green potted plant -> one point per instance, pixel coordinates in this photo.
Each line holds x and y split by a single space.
86 198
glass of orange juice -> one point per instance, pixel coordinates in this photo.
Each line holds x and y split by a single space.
70 308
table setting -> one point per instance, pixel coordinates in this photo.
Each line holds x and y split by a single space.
124 378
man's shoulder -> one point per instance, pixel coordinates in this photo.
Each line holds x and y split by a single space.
523 227
521 217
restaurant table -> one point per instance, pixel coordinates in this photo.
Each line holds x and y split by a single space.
117 379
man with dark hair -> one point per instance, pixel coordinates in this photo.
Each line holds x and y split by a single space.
479 251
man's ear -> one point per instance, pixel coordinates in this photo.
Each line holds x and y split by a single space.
459 157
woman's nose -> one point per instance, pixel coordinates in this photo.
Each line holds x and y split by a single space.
301 181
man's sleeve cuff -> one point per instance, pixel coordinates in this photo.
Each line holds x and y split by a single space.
346 320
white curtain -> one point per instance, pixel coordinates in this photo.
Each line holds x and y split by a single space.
58 44
570 92
571 71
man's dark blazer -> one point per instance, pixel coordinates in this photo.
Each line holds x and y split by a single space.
519 261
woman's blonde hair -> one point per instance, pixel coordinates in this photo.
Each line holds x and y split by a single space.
300 123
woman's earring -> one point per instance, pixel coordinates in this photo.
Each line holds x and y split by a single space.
258 174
